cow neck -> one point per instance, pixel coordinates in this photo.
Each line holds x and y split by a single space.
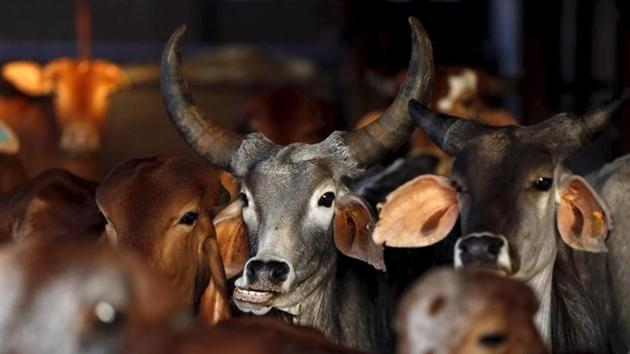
319 307
541 284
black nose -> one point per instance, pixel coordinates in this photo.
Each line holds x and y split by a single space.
480 249
274 272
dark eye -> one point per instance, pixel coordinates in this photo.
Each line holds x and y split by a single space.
543 183
326 200
189 218
107 316
492 339
243 198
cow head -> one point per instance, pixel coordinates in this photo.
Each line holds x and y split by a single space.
163 207
510 189
293 204
456 312
80 90
68 298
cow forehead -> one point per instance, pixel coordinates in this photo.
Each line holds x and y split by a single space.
157 183
505 154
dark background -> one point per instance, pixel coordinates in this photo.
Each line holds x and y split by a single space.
568 54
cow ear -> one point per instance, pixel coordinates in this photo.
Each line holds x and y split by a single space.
419 213
582 217
230 183
352 227
232 238
28 77
214 305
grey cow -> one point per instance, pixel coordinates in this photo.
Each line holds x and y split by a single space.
516 200
297 212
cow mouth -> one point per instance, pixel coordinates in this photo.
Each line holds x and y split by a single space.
255 301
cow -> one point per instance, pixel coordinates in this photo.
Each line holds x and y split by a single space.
79 91
11 169
515 201
55 205
298 213
77 297
252 335
163 207
288 115
456 312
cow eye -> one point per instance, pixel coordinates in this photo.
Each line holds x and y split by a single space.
492 339
326 199
243 198
189 218
543 183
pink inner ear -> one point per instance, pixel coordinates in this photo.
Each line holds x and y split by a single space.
419 213
582 218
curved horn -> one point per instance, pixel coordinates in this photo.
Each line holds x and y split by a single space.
392 129
209 140
568 133
449 133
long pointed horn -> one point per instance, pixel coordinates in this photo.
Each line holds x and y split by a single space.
392 129
209 140
447 132
568 133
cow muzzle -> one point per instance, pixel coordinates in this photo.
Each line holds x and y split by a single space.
80 138
483 250
263 280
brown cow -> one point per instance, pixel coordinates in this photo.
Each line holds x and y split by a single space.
71 298
288 115
457 312
11 168
79 89
163 207
53 205
251 335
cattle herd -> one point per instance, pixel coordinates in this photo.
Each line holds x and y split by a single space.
468 234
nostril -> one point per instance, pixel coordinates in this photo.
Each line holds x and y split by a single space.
278 271
253 269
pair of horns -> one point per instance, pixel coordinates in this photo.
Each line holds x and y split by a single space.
564 133
367 145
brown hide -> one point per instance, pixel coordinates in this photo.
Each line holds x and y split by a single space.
79 91
287 115
252 335
53 205
96 296
163 207
458 312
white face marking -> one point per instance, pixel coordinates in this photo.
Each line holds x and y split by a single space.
457 84
320 214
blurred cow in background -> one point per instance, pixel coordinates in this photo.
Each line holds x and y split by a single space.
459 312
289 115
76 298
76 93
55 205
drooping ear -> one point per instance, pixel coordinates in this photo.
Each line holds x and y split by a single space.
352 227
582 218
232 238
419 213
230 184
28 77
214 305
